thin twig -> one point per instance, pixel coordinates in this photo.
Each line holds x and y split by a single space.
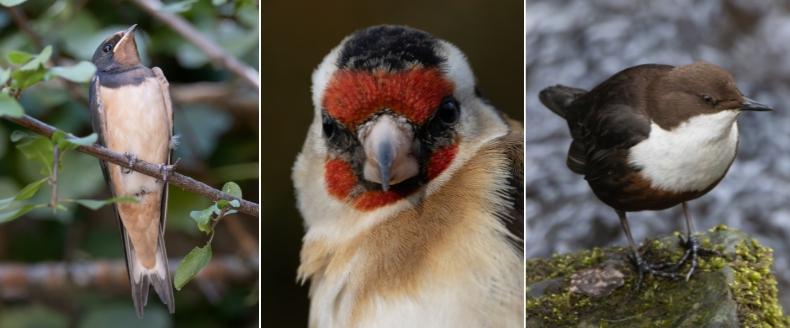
53 180
153 170
22 280
213 51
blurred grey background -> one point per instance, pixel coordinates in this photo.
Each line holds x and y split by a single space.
296 36
581 43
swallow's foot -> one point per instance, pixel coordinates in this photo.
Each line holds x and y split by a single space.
132 161
166 169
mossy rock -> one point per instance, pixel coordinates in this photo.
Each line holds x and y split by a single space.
733 288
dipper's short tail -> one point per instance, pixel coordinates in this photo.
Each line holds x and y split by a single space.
559 97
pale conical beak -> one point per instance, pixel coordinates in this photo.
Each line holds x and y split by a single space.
388 152
751 105
127 35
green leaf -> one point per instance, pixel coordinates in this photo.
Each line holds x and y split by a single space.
24 79
232 188
69 142
5 74
11 215
95 204
6 201
203 218
18 135
39 149
178 7
26 193
16 57
81 72
218 2
30 190
10 107
39 60
197 258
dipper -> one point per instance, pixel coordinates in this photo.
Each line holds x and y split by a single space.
651 137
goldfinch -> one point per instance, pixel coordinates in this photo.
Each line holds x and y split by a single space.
410 185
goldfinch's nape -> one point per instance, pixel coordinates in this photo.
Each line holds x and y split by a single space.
404 164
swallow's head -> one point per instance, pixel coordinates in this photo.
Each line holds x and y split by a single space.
118 52
393 108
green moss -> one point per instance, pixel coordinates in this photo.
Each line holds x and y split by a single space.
754 287
733 288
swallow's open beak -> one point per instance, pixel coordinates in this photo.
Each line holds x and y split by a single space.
127 35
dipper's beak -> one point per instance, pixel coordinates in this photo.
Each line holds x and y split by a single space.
751 105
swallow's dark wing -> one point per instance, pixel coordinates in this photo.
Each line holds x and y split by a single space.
165 292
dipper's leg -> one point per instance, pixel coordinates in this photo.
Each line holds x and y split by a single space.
691 243
692 246
640 263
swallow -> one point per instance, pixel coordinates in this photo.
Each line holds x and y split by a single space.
131 113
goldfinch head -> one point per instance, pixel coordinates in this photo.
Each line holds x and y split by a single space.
394 109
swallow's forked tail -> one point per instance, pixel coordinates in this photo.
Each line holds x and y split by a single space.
141 277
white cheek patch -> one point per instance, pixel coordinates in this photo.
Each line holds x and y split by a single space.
323 75
690 157
457 69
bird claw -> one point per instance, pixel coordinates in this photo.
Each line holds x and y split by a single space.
643 266
692 252
165 170
132 161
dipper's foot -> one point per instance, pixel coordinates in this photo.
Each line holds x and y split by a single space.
643 266
693 251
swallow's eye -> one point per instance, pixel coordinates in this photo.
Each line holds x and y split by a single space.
448 111
106 48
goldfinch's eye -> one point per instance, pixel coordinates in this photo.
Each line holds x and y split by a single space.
448 111
107 48
329 128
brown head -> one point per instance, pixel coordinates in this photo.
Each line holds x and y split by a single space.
118 52
699 88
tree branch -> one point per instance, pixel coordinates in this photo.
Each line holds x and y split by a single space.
149 169
214 52
20 280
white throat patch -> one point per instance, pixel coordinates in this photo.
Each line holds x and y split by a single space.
690 157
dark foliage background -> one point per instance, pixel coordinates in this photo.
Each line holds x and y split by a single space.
219 143
296 36
580 43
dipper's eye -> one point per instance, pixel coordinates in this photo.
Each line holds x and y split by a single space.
107 48
708 99
448 111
